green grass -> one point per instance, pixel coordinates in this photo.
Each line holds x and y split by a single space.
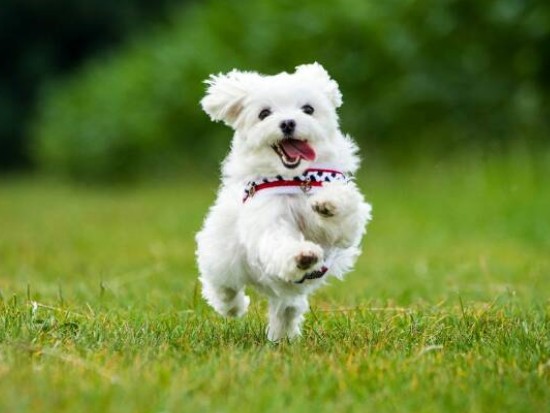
448 309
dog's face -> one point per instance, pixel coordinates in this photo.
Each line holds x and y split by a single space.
283 123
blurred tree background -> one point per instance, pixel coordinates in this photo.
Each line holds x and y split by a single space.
419 78
46 40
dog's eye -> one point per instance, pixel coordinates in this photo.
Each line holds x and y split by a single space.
264 114
308 109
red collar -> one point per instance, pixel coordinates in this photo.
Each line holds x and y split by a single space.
311 179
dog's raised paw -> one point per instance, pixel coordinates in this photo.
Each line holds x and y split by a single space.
324 208
306 260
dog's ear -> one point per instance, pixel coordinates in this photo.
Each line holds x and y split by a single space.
225 95
317 73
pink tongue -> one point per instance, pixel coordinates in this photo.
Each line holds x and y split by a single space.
295 148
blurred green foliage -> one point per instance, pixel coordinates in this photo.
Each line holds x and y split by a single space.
41 40
417 76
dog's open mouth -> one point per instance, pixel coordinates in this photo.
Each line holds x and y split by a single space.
292 151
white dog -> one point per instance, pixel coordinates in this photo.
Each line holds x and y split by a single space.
288 213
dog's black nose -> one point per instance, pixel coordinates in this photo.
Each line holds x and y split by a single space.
288 126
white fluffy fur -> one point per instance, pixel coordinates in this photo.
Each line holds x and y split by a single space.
259 242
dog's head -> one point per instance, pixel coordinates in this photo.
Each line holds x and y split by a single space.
282 122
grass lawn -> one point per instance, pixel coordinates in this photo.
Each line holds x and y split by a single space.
448 309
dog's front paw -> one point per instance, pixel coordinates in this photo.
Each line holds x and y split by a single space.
324 208
337 200
308 258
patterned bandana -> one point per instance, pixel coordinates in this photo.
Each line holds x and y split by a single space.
308 182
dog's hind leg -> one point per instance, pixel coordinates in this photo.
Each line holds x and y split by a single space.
229 301
219 264
286 317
